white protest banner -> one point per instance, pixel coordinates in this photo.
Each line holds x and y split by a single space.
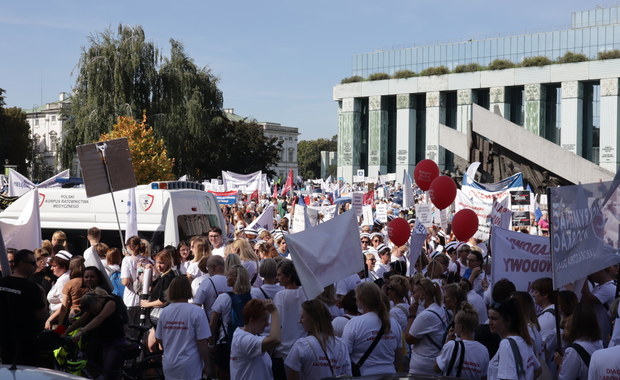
313 215
20 185
423 214
329 212
326 253
131 228
248 183
500 215
418 237
382 212
584 229
520 258
300 219
25 232
264 220
367 213
357 201
443 219
408 200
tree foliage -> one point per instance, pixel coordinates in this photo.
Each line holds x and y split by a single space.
148 154
15 142
123 74
309 155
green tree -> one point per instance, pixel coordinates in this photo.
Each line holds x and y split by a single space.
309 155
15 142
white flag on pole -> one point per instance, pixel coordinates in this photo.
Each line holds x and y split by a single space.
20 185
131 229
408 201
264 220
25 232
326 253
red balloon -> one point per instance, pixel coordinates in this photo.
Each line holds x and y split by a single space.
424 173
465 224
442 191
398 231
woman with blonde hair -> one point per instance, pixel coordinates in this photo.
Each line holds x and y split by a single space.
427 329
248 257
373 339
60 238
320 354
200 248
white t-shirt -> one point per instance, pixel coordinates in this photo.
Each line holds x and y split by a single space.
183 267
604 364
615 335
546 320
308 358
222 306
193 270
196 283
502 365
270 289
209 290
219 251
347 284
431 325
129 270
179 328
380 269
358 335
247 360
478 303
605 293
475 361
55 296
400 313
288 302
338 323
572 366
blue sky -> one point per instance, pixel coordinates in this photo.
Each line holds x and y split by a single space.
277 60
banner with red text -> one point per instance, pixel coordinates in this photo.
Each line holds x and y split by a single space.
519 257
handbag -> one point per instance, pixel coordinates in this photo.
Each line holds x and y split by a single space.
356 367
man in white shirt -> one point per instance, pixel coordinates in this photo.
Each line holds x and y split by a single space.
217 241
600 297
213 285
604 364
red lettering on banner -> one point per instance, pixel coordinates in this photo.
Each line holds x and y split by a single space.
527 265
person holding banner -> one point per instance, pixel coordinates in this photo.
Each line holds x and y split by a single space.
544 297
515 358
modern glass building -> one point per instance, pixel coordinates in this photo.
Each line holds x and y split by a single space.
387 126
590 32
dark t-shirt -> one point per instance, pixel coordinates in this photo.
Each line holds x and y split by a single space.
19 300
160 285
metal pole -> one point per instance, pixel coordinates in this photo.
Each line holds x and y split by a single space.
558 337
102 149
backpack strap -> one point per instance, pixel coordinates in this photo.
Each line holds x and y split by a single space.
430 338
552 311
374 343
585 356
452 358
518 358
264 293
347 317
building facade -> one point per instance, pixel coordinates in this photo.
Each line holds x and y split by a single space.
46 122
389 125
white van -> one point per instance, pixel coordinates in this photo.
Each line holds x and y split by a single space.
165 216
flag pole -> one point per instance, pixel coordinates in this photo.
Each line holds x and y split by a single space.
558 337
102 149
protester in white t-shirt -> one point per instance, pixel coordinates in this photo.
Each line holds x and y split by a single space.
544 297
185 254
601 297
475 356
131 267
383 265
183 330
397 289
528 310
60 267
248 257
604 364
360 332
288 302
217 241
268 271
214 285
320 354
248 353
427 329
349 307
506 320
581 332
200 248
347 284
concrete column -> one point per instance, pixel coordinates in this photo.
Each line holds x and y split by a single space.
464 100
499 99
405 133
435 115
349 138
535 98
609 138
377 136
572 116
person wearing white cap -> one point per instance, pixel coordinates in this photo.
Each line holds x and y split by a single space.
250 233
371 260
376 238
365 240
383 264
60 268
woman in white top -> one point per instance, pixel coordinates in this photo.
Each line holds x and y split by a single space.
526 305
320 354
60 267
248 353
200 248
427 329
360 332
349 306
582 333
507 320
471 358
268 271
248 257
186 256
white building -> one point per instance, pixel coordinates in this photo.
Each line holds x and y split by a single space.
287 135
46 122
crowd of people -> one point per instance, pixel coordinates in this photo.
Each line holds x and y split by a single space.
230 304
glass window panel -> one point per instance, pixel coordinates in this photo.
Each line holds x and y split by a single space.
528 45
599 16
613 17
591 18
586 37
571 40
594 36
563 39
606 16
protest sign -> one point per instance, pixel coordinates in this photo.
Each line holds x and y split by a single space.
367 213
418 237
264 220
226 197
382 213
300 219
584 229
423 214
357 201
245 182
520 258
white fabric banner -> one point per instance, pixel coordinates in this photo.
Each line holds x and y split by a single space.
357 201
382 213
300 219
25 232
418 237
408 200
326 253
131 229
248 183
264 220
367 213
520 258
20 185
423 214
481 203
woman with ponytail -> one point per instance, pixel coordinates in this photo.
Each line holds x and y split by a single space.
320 354
462 356
426 330
373 340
